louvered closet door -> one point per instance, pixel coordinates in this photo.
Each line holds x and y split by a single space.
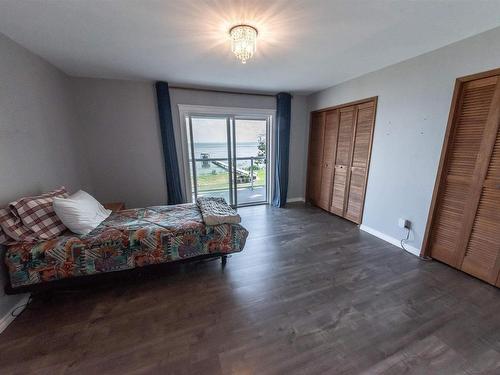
454 202
481 255
342 159
360 160
329 148
315 157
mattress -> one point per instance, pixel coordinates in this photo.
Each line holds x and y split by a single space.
127 239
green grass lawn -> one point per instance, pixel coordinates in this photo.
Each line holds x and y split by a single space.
220 181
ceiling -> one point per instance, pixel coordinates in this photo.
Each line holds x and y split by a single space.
303 45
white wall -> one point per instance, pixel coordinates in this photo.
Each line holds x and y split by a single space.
38 143
119 125
413 106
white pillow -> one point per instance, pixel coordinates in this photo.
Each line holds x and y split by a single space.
80 213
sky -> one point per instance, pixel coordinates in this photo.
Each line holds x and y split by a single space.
215 130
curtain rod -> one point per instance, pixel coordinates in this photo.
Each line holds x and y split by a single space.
222 91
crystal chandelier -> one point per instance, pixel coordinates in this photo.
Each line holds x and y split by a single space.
243 41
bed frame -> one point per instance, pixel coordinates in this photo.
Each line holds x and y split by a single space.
106 277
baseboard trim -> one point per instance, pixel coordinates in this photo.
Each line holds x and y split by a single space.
298 199
18 307
391 240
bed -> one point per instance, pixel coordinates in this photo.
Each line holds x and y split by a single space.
125 240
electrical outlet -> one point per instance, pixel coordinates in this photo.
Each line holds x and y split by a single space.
404 223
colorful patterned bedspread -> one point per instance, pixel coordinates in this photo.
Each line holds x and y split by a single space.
127 239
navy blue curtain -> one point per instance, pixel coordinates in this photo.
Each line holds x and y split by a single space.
174 189
282 145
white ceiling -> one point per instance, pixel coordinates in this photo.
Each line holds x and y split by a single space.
303 45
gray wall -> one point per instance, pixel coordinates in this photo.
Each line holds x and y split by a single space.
38 143
299 136
119 125
414 102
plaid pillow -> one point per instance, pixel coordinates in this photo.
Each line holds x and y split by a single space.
33 218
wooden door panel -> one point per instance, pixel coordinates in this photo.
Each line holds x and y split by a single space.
329 152
314 184
483 248
482 254
493 174
338 191
448 221
315 157
344 143
362 142
344 149
360 161
460 165
325 189
354 208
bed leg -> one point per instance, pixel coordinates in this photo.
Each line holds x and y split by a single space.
223 259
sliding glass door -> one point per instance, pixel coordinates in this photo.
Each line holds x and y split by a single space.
251 144
210 161
228 157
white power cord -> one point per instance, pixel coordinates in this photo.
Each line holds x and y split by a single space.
404 240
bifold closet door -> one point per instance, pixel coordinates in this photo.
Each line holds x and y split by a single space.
342 159
339 157
315 159
481 254
464 230
363 129
329 151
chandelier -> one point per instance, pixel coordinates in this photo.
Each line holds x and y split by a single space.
243 41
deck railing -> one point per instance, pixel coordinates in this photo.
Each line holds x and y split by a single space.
223 163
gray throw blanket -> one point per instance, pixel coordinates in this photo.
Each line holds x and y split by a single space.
216 211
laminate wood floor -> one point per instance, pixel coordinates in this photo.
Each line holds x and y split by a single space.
310 294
